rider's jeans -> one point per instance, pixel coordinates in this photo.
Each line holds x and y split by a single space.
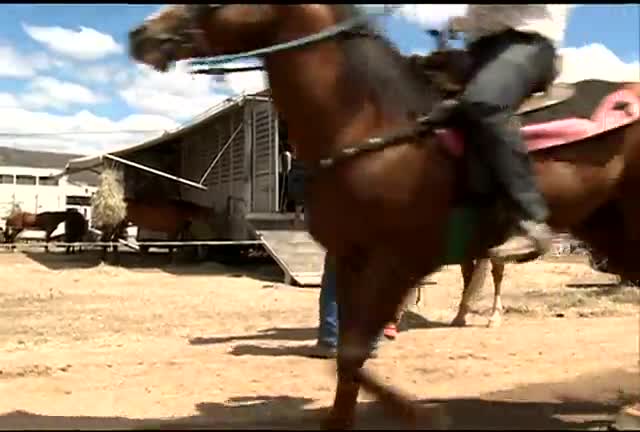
509 67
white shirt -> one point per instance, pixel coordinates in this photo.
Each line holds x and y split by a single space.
549 20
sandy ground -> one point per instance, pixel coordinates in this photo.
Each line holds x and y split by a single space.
100 347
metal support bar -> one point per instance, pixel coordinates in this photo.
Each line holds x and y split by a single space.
144 243
219 155
135 246
155 171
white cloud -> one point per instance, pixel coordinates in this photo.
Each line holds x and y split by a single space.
245 82
180 95
162 101
174 94
595 61
430 15
64 133
84 44
434 16
17 65
7 100
104 74
50 92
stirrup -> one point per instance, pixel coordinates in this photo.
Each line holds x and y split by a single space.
525 250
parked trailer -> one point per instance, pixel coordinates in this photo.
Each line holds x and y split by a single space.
227 159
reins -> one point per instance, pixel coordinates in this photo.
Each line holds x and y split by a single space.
423 124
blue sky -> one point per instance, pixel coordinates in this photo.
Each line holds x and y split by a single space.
55 77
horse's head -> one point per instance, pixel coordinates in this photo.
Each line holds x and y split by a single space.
15 220
179 32
13 225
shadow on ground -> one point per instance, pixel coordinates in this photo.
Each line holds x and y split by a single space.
588 402
260 268
274 333
410 320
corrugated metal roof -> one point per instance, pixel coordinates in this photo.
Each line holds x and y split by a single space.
87 162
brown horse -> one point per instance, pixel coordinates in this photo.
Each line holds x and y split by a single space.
477 268
473 276
389 198
172 217
45 221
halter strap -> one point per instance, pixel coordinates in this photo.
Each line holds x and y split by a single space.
296 43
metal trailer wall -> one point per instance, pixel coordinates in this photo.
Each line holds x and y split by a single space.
140 185
265 189
244 178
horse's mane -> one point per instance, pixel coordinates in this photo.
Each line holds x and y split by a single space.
375 65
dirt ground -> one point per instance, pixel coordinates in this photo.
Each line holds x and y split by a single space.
146 345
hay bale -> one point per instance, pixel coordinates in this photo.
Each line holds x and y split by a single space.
108 205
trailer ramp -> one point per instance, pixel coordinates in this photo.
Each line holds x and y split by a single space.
295 251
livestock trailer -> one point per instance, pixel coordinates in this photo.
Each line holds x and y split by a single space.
229 160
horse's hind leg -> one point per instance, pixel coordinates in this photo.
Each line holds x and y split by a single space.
369 294
497 271
473 275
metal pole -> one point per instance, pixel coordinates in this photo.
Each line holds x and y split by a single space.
155 171
219 155
143 243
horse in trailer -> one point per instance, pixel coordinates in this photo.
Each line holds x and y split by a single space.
172 217
395 194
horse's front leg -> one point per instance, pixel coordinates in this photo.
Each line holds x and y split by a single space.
342 414
369 294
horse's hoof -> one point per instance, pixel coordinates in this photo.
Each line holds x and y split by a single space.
494 322
459 322
440 419
333 423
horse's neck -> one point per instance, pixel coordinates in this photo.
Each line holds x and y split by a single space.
315 100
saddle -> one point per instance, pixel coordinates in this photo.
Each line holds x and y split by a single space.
451 69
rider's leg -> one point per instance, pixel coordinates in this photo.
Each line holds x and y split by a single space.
513 66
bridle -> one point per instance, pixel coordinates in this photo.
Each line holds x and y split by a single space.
197 13
193 36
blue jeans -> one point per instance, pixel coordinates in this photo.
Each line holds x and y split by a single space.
328 329
510 66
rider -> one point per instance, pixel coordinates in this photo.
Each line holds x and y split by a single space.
514 51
